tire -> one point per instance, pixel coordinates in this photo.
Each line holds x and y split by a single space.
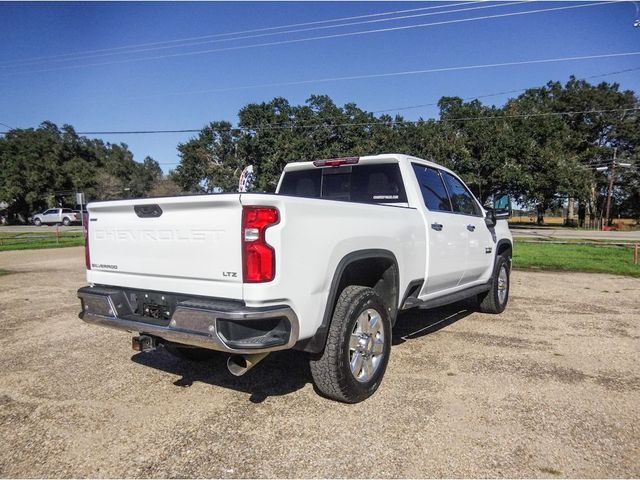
66 222
496 299
192 354
37 222
348 343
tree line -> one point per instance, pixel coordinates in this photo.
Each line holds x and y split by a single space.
44 167
543 147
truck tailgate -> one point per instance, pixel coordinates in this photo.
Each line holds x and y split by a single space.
185 244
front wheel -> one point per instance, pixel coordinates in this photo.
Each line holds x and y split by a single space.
495 300
355 357
37 222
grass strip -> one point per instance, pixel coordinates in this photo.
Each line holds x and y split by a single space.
579 258
39 240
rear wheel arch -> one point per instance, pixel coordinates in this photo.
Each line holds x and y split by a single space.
373 268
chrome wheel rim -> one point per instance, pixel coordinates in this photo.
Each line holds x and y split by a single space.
366 345
503 285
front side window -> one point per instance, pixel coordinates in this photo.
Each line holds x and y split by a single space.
461 199
50 212
432 188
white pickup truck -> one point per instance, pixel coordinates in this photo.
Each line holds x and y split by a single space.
324 265
54 216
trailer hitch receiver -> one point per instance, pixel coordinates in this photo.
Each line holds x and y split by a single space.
144 343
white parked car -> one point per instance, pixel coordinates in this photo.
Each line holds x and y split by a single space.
324 265
54 216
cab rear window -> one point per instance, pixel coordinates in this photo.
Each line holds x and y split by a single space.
378 183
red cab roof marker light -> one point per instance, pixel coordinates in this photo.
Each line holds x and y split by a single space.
336 162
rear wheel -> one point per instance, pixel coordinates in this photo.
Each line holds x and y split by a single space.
351 367
66 222
495 300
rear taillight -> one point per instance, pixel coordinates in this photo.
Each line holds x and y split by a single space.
258 257
85 229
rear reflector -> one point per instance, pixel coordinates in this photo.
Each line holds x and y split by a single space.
336 162
85 229
258 257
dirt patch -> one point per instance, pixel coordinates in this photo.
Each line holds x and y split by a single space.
503 341
614 381
530 369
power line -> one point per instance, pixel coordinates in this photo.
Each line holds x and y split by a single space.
164 47
201 37
283 125
497 94
405 73
321 37
357 124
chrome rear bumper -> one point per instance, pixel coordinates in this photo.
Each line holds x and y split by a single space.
196 322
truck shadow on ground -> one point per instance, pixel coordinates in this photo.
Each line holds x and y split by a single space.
278 374
418 322
285 372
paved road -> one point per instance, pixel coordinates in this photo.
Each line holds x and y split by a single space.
568 233
549 388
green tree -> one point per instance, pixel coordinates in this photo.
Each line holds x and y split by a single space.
602 118
28 168
209 162
45 166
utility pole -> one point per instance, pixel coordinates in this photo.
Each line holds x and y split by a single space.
612 172
610 192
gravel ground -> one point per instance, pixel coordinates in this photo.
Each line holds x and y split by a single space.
549 388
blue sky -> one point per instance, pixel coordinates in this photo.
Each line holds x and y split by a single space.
133 92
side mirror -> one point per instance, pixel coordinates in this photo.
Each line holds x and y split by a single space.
502 206
500 209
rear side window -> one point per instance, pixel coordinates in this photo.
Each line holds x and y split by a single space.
301 183
432 188
66 210
461 199
381 183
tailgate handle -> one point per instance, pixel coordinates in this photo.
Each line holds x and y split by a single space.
145 211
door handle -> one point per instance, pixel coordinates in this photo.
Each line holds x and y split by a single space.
436 226
471 228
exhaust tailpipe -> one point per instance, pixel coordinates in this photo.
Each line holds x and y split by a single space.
238 365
